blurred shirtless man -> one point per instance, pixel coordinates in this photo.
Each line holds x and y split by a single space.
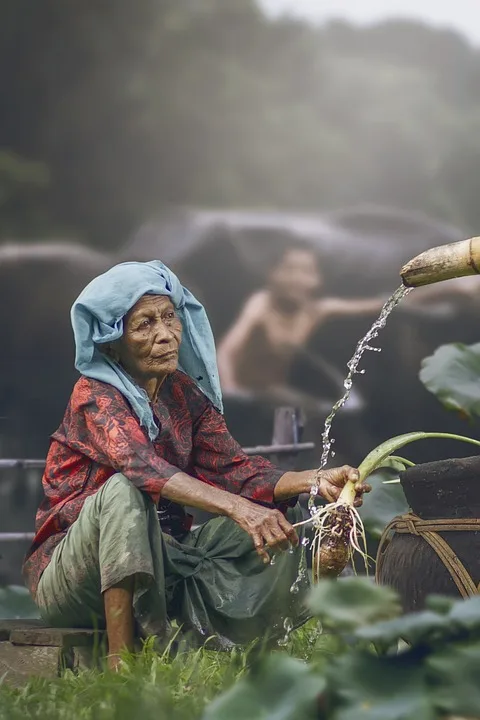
256 355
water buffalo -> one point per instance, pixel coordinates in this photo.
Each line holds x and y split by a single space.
38 283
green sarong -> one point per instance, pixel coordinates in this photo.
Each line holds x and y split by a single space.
212 583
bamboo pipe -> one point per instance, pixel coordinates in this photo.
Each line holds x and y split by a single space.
443 263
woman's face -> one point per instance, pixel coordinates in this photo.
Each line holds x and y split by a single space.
151 338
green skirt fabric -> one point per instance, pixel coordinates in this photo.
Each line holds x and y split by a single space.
213 584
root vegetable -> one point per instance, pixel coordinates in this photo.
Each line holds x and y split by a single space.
339 531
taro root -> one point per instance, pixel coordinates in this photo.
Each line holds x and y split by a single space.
334 552
339 531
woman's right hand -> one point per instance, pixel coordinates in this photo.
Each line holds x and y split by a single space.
267 528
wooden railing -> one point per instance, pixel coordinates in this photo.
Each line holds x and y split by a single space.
284 449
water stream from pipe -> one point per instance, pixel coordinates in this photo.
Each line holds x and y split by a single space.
363 345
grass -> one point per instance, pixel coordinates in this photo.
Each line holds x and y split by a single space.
149 686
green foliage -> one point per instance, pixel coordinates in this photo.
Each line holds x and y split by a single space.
16 602
381 456
371 664
131 107
388 501
151 688
456 672
381 505
367 687
413 628
281 689
435 669
451 374
351 603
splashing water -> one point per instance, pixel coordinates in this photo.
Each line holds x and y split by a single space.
302 577
220 602
288 627
352 365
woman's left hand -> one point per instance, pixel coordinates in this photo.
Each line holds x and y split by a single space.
331 482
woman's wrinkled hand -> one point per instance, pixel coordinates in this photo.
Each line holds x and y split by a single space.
267 528
331 482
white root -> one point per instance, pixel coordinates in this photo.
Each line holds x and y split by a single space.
321 520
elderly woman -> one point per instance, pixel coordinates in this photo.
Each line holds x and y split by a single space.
142 437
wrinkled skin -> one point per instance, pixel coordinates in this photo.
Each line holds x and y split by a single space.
148 349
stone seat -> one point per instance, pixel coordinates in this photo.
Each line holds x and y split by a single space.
29 648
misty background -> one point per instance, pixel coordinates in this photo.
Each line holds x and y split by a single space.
463 15
112 111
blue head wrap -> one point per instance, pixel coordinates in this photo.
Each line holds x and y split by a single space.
97 318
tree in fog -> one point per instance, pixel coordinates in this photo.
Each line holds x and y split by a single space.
113 110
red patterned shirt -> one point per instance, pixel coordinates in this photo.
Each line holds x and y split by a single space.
100 435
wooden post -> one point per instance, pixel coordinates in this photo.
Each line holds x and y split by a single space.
288 424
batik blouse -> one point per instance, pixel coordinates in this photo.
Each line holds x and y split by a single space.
100 436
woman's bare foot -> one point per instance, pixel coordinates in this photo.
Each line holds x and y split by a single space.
114 662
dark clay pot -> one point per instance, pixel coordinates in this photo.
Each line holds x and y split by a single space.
437 490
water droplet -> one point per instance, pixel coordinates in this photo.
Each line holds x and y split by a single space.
287 626
314 490
273 560
305 541
347 383
291 550
332 453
